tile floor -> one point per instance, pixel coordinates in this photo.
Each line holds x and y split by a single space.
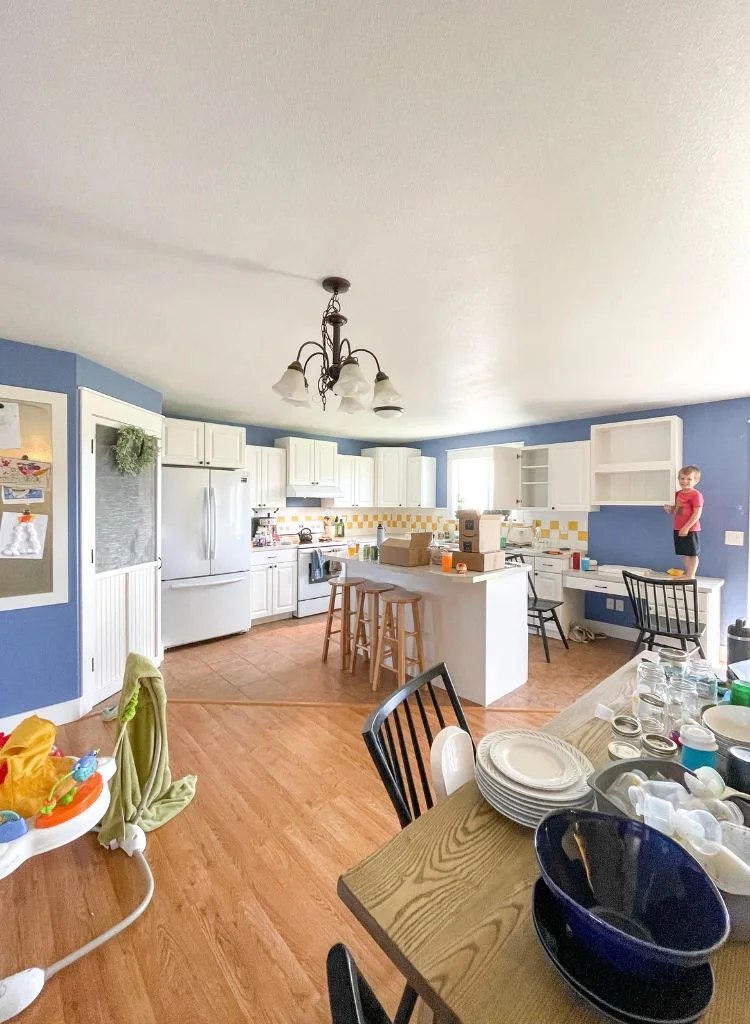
280 663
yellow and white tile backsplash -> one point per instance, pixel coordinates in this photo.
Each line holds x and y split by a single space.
574 533
365 521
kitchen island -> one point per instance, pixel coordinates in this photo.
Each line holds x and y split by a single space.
476 623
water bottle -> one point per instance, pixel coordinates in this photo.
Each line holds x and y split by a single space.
380 537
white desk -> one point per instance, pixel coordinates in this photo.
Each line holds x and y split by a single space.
709 600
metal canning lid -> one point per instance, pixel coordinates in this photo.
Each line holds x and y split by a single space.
620 751
626 726
652 699
660 746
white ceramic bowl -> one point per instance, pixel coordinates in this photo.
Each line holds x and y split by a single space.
730 723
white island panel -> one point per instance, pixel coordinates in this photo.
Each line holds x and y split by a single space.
476 623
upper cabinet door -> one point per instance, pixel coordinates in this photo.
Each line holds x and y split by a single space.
345 481
224 446
254 467
391 478
364 482
184 443
569 476
301 467
507 478
420 482
274 478
325 463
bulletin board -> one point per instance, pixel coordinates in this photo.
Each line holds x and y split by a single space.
33 498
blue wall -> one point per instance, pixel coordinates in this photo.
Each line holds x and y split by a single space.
40 647
716 438
107 382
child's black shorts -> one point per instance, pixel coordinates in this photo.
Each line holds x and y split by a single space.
690 545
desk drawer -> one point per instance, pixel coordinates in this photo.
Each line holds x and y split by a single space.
546 564
595 586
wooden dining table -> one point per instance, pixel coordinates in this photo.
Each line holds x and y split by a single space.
449 901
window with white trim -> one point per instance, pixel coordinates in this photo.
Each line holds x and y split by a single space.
470 478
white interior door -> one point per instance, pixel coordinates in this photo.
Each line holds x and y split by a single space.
120 549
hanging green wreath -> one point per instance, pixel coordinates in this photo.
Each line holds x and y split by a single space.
135 450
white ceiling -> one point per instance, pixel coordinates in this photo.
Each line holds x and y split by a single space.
543 205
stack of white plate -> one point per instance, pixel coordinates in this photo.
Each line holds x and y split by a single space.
525 774
730 724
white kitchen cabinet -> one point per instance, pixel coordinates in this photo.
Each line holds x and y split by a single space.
284 587
635 462
310 463
421 482
550 477
273 579
569 476
355 478
224 446
192 443
261 592
267 471
391 466
549 586
364 482
183 443
325 455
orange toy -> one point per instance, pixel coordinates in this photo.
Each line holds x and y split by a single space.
28 768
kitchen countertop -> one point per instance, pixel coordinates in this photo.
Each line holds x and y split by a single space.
422 571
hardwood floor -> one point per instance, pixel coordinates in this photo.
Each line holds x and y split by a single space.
245 908
280 663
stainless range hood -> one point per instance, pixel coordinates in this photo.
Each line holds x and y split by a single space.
313 491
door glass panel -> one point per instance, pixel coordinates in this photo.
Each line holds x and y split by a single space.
125 509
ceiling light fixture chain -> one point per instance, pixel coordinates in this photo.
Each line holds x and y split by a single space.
339 372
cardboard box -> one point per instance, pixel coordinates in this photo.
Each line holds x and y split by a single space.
479 533
408 551
486 561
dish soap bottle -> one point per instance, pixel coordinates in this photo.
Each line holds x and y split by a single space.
380 536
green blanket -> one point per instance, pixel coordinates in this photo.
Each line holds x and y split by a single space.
142 789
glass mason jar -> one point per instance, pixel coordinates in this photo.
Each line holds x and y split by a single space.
652 713
703 690
651 678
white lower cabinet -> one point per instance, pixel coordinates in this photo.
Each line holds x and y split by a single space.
284 588
261 597
273 580
548 581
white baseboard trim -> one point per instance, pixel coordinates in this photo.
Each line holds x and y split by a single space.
60 714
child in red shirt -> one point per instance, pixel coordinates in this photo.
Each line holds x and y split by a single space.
687 511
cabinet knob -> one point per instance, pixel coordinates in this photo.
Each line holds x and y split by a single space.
207 462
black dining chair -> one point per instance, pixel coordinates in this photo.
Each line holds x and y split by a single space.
351 998
399 734
540 610
664 608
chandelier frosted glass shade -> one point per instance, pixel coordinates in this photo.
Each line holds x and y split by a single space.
388 412
385 393
291 384
350 404
351 380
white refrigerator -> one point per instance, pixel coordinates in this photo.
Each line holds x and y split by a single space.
205 554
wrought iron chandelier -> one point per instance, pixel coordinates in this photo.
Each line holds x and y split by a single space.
339 372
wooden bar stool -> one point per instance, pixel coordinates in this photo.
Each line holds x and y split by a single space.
367 622
343 586
394 635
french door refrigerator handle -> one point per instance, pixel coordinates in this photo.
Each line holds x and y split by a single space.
212 552
206 523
